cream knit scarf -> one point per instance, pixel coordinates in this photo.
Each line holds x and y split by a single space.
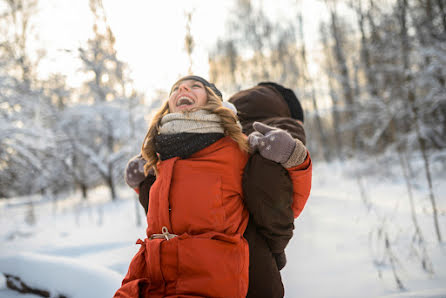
200 121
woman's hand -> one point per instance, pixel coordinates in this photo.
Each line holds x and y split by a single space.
277 145
134 171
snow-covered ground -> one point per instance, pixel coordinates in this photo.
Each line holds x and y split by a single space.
82 249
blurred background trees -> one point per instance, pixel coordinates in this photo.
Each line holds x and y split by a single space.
53 138
372 83
381 78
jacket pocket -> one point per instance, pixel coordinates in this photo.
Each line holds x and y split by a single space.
196 204
212 268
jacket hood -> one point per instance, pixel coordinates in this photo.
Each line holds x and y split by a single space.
259 103
265 104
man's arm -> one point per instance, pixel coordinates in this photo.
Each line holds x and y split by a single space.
135 178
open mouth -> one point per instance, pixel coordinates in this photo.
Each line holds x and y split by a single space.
184 101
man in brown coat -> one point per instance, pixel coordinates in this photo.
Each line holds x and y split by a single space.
268 192
270 228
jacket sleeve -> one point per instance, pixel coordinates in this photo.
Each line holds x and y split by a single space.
144 190
268 195
301 178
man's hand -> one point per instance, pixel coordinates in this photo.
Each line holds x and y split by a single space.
277 145
134 171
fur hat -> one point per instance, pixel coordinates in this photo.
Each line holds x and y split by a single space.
205 82
290 98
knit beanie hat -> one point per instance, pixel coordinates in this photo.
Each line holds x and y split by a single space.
290 98
205 82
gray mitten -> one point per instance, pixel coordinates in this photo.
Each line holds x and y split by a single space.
134 171
277 145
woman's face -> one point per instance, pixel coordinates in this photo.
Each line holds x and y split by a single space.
187 95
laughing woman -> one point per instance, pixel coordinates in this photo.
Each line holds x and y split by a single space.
196 217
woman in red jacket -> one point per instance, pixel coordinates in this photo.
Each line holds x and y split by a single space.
196 218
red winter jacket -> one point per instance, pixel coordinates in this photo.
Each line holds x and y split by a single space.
200 200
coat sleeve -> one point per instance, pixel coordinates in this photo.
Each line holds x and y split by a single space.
144 190
301 178
268 195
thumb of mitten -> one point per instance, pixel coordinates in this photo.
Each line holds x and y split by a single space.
262 128
254 140
141 163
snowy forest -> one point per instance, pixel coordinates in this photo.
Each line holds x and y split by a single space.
373 87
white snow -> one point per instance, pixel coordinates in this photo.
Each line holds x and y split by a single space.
2 282
83 248
62 275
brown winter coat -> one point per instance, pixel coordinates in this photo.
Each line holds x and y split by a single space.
270 195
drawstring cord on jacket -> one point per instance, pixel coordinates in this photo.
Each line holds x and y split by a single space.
165 235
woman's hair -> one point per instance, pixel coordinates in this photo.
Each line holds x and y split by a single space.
213 105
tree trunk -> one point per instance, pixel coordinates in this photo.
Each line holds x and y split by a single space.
336 121
411 99
309 81
333 97
365 54
323 137
110 183
341 63
359 144
441 6
375 37
109 174
84 189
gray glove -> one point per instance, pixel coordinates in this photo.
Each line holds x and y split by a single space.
134 171
277 145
